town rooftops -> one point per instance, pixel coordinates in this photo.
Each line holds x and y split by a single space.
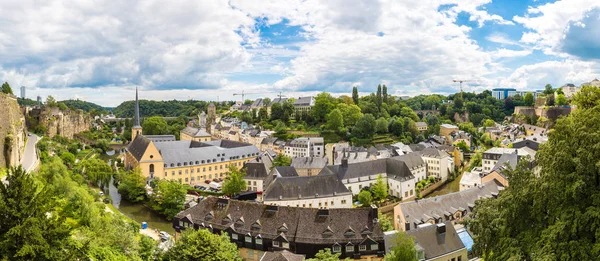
300 225
259 167
281 256
420 211
309 162
160 138
448 126
138 146
304 101
433 153
303 187
285 171
195 132
258 103
496 150
190 153
434 242
277 100
399 167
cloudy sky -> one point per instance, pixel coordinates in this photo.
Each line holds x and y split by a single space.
100 50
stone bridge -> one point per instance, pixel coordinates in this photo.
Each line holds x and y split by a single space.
427 112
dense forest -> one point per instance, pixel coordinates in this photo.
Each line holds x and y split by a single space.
83 105
171 108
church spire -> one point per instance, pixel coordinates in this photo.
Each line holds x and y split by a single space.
136 122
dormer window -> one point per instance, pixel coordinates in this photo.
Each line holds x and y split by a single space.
226 220
349 248
283 228
248 238
336 248
197 162
349 232
328 232
258 240
234 236
172 165
209 216
239 222
256 225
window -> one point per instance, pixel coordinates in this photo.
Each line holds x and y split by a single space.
254 183
186 179
459 258
248 239
180 172
285 244
337 249
406 194
172 173
374 246
275 244
192 171
349 248
343 202
250 183
186 171
234 236
209 168
259 241
411 192
362 248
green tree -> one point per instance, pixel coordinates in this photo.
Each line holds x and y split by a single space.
276 111
528 99
381 126
380 189
403 249
326 255
235 182
384 94
397 127
462 145
97 171
133 186
385 222
561 100
355 95
50 101
489 123
202 245
68 158
587 98
365 198
475 160
281 160
323 105
30 228
102 144
550 101
262 114
6 88
155 125
350 113
365 127
548 89
335 120
379 97
168 198
147 248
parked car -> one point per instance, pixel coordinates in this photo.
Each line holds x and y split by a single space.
193 192
215 180
207 181
202 188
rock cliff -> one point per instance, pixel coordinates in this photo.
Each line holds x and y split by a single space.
64 123
12 131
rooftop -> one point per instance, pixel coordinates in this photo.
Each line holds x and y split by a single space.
186 152
195 132
434 242
309 163
302 187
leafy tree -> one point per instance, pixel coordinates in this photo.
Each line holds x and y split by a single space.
30 229
155 125
335 120
68 158
288 110
397 127
379 99
381 126
380 189
355 94
202 245
168 198
350 113
489 123
276 111
407 112
587 97
6 88
326 255
147 248
403 250
133 186
365 127
97 171
365 198
103 145
550 100
475 160
384 94
281 160
385 222
462 145
262 114
235 182
548 89
51 102
323 105
561 100
528 99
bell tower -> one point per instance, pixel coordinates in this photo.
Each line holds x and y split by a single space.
137 128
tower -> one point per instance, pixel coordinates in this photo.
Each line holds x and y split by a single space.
212 113
137 128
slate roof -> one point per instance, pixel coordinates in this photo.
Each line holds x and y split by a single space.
277 100
398 168
195 132
186 152
259 168
437 244
268 141
138 146
303 225
286 171
534 145
309 163
281 256
160 138
302 187
305 101
419 211
433 153
510 159
258 103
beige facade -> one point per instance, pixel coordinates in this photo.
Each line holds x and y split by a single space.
308 171
495 175
197 174
184 136
150 164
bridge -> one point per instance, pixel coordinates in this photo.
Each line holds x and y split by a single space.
427 112
122 119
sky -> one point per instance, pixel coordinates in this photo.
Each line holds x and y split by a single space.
100 51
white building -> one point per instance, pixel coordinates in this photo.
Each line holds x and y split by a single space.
401 173
490 157
305 147
322 191
438 163
471 179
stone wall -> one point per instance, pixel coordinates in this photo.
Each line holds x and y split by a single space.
64 123
12 131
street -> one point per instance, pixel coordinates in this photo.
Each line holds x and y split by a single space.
30 159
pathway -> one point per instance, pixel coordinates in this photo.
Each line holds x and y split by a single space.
30 158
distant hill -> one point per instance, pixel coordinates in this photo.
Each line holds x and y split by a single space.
83 105
27 102
173 108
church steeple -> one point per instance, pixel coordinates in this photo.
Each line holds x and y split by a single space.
137 127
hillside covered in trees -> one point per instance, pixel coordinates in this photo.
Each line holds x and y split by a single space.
171 108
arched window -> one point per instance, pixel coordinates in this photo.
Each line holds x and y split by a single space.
151 168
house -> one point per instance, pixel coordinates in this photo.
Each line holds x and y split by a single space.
421 126
490 157
439 164
450 207
305 147
471 179
257 173
322 191
308 166
447 129
459 136
534 130
268 144
256 228
281 256
233 135
304 104
439 242
196 134
400 172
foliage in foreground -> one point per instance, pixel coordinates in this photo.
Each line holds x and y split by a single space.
203 245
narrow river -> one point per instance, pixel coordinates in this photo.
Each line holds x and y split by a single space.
139 212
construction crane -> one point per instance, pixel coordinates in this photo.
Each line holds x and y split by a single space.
244 95
460 81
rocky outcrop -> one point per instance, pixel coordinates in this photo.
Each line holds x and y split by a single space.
12 131
64 123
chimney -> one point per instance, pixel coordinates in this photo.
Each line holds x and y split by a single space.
344 161
441 228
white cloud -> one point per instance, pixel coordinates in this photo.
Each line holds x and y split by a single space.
501 39
506 53
536 76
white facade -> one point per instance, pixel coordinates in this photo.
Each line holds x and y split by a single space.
401 189
305 147
343 201
438 167
470 179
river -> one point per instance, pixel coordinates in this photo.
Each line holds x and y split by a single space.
139 212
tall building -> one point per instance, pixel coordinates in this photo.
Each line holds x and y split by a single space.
212 113
502 93
39 99
23 92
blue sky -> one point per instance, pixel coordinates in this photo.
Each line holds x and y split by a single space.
100 51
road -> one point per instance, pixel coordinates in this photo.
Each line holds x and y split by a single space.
30 158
